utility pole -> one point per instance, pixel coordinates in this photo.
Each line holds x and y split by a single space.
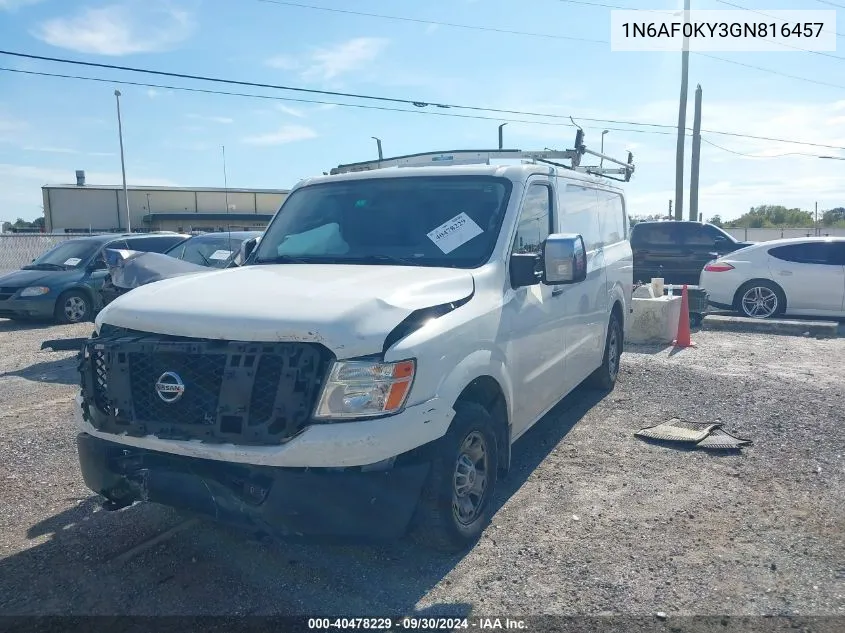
696 158
670 209
818 232
682 123
122 162
501 136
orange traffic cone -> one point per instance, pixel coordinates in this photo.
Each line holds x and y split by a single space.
683 339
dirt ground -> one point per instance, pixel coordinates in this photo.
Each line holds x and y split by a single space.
591 521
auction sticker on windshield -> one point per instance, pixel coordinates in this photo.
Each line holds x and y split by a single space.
73 261
220 255
454 233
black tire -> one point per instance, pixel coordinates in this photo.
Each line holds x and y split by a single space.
760 299
604 378
438 525
73 306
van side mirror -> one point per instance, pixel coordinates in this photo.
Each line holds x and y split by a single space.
525 269
247 249
564 259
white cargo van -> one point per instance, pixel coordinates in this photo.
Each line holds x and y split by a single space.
368 370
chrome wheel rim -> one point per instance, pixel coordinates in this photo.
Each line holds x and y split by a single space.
469 488
759 302
613 352
75 308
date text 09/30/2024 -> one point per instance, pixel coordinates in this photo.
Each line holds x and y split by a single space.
408 623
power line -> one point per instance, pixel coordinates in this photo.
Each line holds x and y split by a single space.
772 72
315 101
399 18
611 6
768 15
731 151
252 84
382 16
833 4
418 104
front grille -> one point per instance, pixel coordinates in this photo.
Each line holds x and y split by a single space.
201 373
245 393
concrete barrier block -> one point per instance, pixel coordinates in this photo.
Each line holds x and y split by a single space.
654 320
821 329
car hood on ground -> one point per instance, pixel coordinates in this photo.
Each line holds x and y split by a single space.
348 308
23 278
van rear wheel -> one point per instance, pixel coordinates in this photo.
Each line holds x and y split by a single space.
456 503
604 377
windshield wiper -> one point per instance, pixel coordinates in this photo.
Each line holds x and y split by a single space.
389 259
44 267
283 259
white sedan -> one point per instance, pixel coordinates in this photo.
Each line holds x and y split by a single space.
799 276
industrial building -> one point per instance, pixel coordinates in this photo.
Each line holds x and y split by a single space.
81 208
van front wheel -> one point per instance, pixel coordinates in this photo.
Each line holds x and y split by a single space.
604 377
456 503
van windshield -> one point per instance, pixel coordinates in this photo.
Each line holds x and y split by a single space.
450 221
70 254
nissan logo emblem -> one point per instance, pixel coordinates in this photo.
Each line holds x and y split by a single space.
170 387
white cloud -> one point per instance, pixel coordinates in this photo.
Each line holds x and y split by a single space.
50 150
211 119
286 134
119 29
324 64
11 128
283 62
14 5
47 149
291 111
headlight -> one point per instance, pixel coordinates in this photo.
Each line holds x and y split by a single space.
34 291
358 389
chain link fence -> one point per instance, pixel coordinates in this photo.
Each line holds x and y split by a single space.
19 249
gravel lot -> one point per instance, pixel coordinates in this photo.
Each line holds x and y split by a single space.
591 520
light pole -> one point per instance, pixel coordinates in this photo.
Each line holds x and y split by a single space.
122 162
378 145
601 164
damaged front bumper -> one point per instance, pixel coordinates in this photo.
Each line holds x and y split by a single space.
308 502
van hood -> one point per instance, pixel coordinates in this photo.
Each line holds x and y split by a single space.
23 278
348 308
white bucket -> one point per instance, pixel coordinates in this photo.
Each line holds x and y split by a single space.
657 286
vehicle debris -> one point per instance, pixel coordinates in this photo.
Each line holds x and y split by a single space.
700 434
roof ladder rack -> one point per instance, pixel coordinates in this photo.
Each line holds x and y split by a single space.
485 156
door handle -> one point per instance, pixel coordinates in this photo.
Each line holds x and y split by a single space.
556 292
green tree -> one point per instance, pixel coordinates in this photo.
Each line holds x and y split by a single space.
716 220
834 217
768 216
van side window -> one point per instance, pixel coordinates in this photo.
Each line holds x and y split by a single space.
535 220
578 214
611 217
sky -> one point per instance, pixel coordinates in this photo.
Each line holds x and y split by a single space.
51 126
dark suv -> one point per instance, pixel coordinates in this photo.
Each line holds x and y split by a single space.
677 251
